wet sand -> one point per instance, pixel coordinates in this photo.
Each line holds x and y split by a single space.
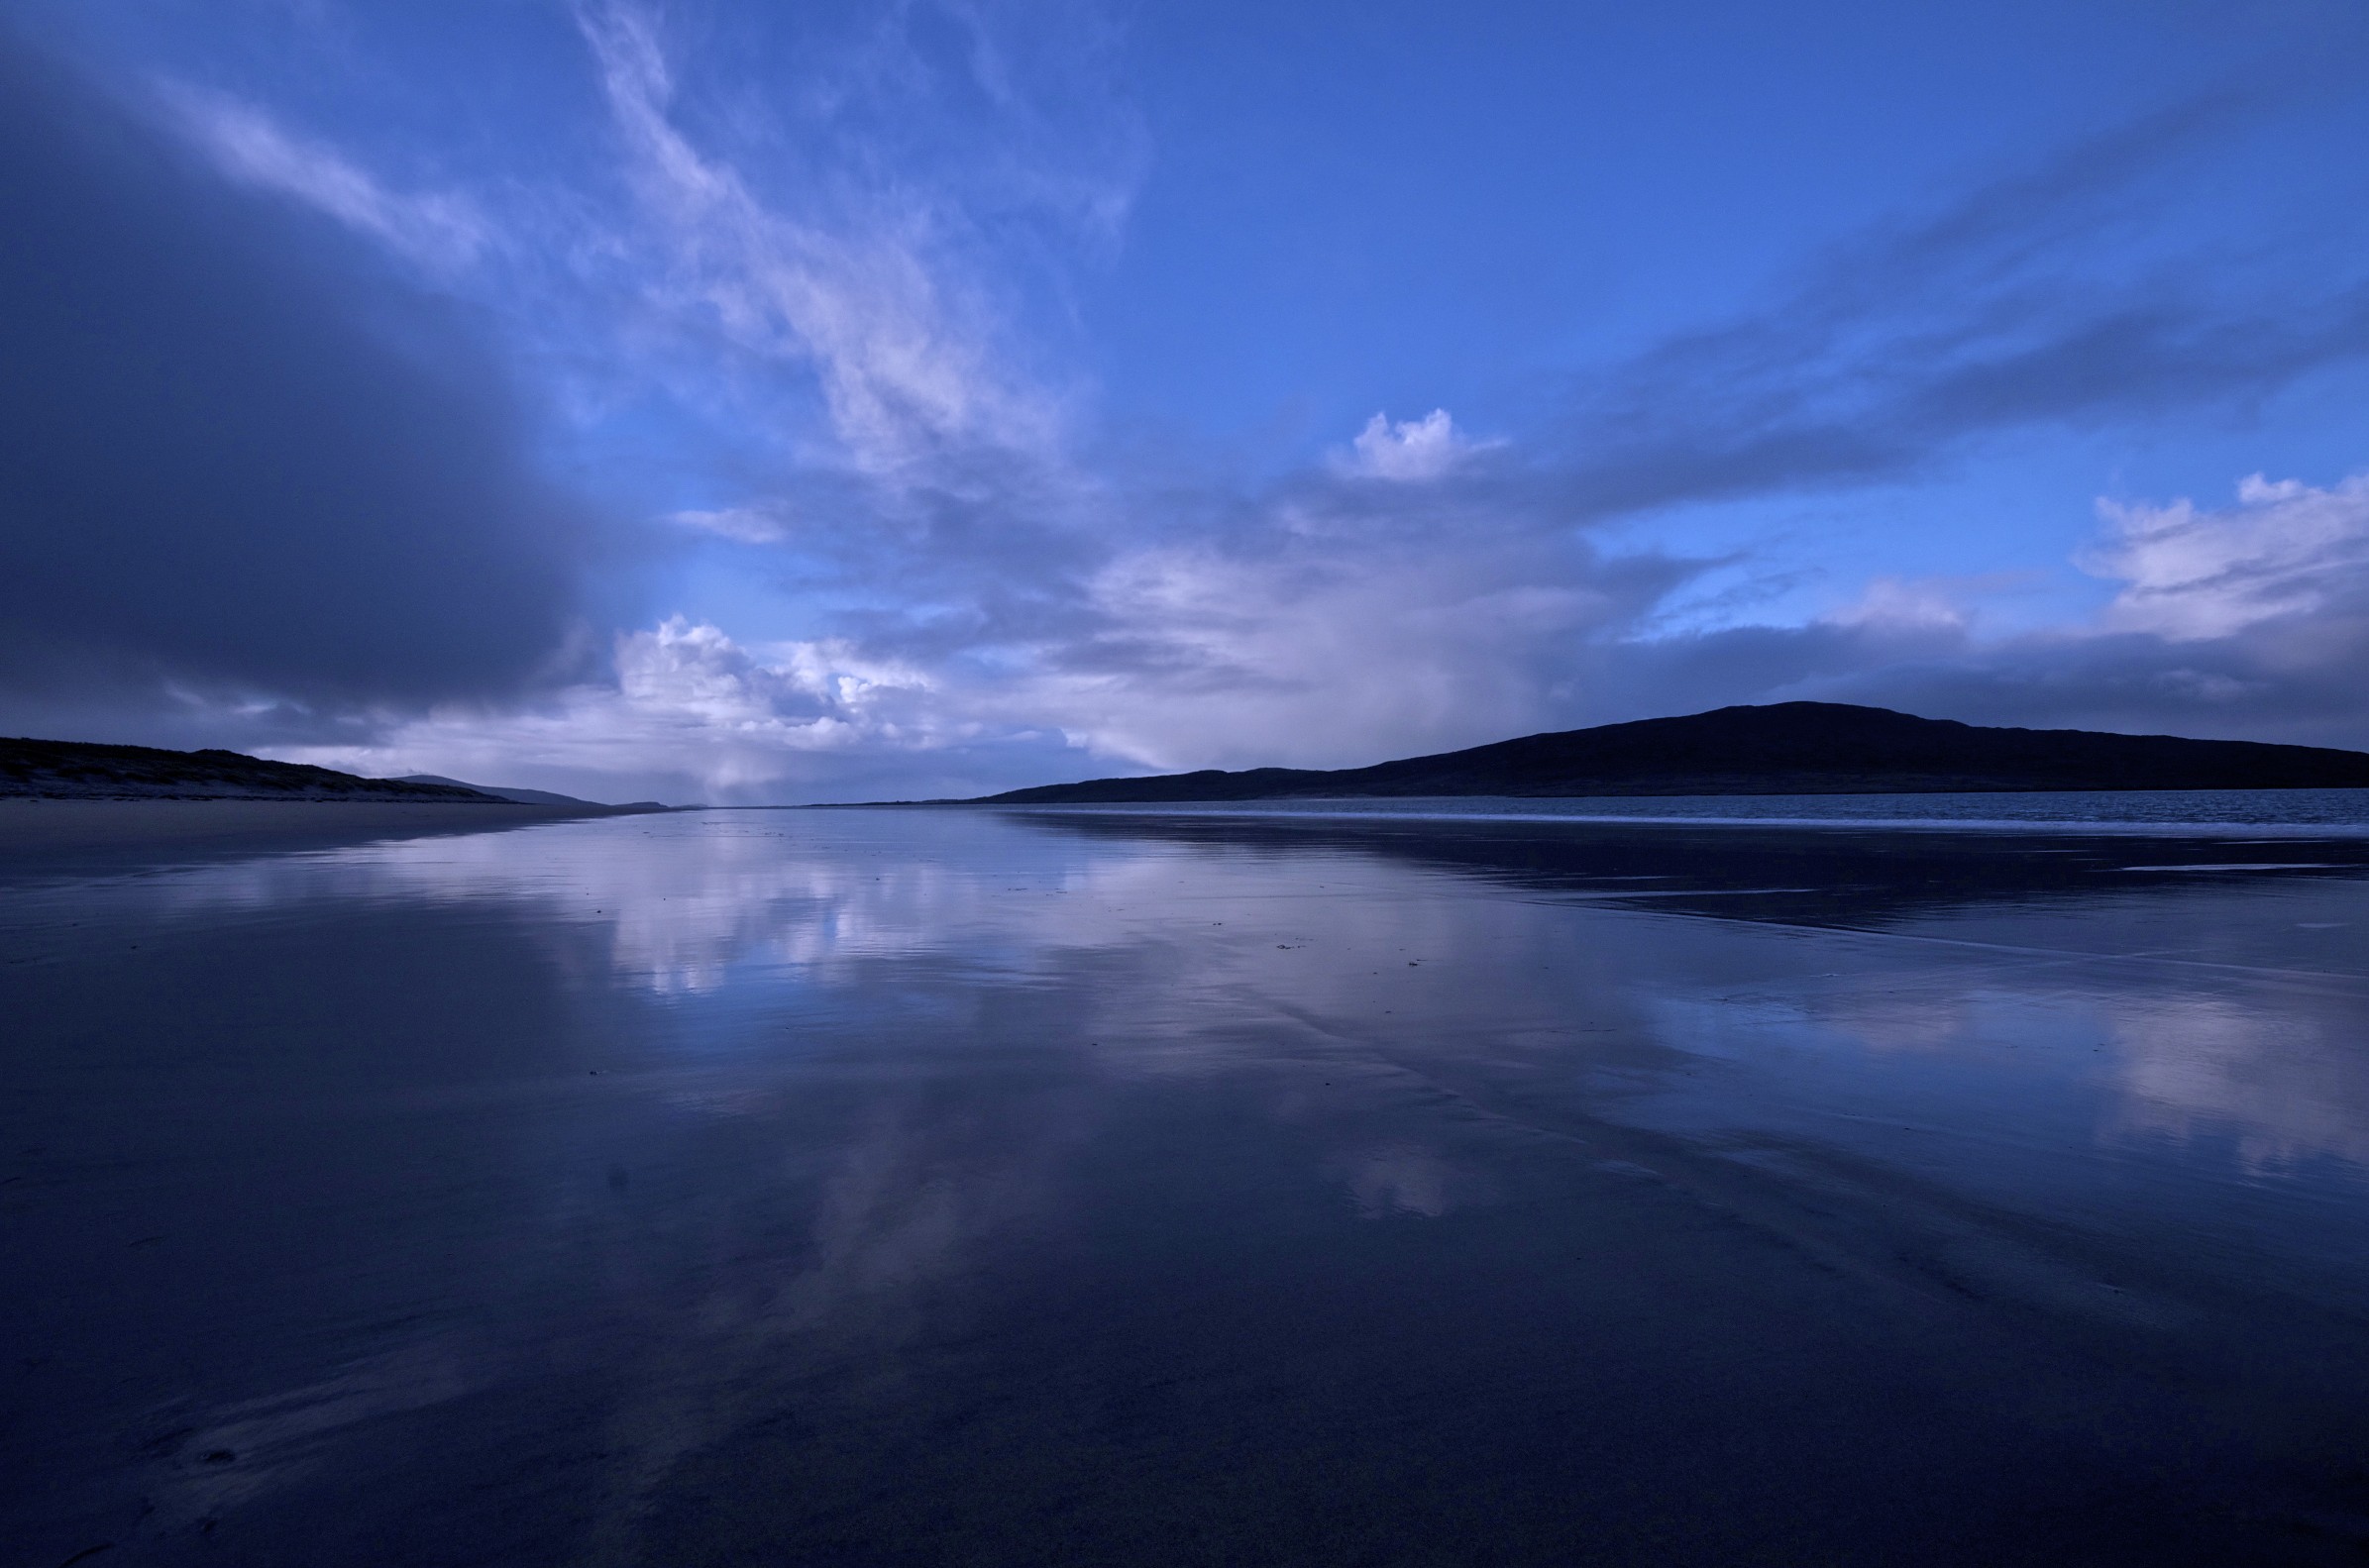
91 833
878 1187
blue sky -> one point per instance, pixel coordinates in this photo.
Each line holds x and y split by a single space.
758 402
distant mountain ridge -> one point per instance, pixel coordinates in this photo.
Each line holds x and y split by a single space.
520 797
82 771
499 792
1784 748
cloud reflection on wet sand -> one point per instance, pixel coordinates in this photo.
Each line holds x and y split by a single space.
584 1173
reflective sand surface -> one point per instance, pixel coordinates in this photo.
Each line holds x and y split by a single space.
865 1187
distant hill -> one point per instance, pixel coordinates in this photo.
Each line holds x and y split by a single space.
76 770
1788 748
499 792
531 796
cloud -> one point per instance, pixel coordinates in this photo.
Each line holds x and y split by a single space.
1906 603
1410 451
1316 659
689 714
1360 636
1999 312
269 484
872 282
808 696
2283 551
1406 595
443 231
244 463
1414 590
2249 622
747 525
1285 647
1171 656
1333 618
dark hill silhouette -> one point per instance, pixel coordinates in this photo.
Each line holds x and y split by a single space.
1788 748
518 796
79 770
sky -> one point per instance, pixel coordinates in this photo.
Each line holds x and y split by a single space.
762 403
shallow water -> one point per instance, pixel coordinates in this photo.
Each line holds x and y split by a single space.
955 1187
2341 812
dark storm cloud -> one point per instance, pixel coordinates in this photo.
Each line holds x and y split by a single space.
241 456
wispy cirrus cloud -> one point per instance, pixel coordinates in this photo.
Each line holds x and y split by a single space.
1998 312
871 279
747 525
445 231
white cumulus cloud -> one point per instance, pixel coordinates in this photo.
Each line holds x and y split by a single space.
687 703
1410 450
2286 549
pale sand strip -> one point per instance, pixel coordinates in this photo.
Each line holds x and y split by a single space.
40 832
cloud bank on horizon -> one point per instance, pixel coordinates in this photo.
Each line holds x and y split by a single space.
722 403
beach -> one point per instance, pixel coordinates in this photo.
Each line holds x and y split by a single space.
871 1186
91 833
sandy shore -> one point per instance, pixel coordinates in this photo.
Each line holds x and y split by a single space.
900 1186
48 833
